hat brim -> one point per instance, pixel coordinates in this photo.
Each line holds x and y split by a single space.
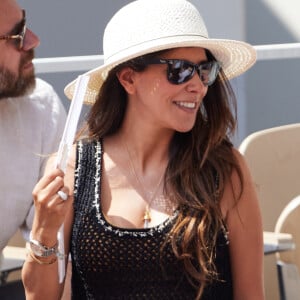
236 57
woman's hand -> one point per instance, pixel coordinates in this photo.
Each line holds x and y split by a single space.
50 208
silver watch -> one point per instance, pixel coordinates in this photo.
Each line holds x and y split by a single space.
41 250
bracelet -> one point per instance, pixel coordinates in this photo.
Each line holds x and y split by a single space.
52 261
41 250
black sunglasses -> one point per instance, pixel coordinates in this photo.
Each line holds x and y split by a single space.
180 71
17 38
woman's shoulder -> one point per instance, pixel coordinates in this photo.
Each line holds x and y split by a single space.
243 165
238 185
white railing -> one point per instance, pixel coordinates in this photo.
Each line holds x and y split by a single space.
278 51
67 64
84 63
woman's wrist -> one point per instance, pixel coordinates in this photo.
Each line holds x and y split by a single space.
45 237
42 260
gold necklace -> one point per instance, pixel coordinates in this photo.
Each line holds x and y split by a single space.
147 213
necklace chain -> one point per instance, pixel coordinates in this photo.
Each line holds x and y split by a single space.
147 213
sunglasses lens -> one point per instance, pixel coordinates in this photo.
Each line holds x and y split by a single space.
179 71
208 72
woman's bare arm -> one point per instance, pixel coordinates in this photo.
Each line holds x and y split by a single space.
41 280
243 219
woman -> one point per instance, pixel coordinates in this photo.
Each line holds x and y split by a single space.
160 205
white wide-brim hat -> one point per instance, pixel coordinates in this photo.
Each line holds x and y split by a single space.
146 26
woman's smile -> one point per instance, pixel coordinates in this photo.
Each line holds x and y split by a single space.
187 105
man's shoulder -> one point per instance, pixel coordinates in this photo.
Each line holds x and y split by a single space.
44 96
43 90
44 100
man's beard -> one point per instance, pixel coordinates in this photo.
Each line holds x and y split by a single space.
12 85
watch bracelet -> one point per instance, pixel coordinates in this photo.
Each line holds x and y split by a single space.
33 256
45 251
41 250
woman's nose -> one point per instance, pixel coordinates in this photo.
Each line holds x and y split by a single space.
196 85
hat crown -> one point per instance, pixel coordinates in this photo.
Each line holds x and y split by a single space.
144 22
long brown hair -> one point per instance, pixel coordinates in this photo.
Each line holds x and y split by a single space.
201 162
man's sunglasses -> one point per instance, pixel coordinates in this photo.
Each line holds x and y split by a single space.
180 71
17 38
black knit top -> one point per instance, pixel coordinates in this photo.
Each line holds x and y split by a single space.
116 263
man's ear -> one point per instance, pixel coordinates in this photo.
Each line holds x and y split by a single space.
126 78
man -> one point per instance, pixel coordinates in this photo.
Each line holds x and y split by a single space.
32 119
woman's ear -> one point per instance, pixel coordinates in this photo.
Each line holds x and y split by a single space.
126 78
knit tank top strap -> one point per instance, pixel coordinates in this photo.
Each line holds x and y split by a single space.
87 172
